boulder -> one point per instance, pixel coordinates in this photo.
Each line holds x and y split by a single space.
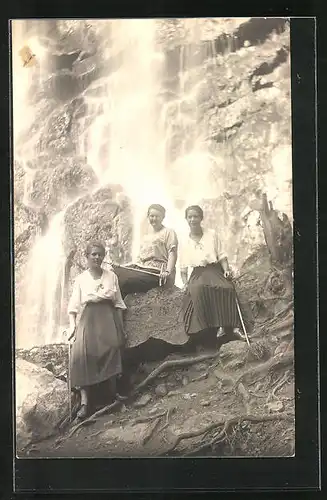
155 314
234 354
41 403
104 215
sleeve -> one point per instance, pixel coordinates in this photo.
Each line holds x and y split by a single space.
75 300
171 240
118 300
220 253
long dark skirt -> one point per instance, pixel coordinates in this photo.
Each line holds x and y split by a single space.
135 280
96 352
210 300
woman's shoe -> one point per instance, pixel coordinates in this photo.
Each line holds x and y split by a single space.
121 397
220 332
83 412
238 333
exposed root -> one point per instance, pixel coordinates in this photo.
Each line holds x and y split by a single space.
152 427
245 396
279 385
250 376
90 420
170 364
169 412
227 424
148 418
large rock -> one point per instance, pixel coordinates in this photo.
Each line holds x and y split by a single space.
41 403
156 314
104 215
234 354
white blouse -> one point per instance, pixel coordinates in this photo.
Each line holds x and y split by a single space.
87 289
197 254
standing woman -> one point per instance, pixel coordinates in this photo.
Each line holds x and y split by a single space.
156 260
210 298
98 337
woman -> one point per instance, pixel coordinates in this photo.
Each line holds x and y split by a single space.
98 337
157 258
210 298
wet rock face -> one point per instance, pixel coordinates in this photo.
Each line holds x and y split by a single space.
59 182
242 103
103 216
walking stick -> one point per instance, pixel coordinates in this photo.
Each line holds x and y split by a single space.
240 316
69 384
242 322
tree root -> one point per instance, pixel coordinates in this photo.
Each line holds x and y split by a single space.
150 430
227 424
154 427
245 396
170 364
90 420
278 386
263 369
148 418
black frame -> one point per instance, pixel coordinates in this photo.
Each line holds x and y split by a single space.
171 474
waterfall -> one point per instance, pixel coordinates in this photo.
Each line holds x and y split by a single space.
41 320
133 128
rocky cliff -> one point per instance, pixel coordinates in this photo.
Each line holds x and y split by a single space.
222 98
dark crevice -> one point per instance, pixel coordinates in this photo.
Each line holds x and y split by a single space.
258 85
268 67
64 61
221 136
255 32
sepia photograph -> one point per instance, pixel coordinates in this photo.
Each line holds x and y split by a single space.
153 238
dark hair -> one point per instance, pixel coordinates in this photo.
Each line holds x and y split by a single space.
94 244
196 208
158 207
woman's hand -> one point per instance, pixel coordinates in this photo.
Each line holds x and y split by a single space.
71 333
163 276
227 274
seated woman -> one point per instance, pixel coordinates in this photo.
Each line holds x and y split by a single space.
210 298
98 337
157 257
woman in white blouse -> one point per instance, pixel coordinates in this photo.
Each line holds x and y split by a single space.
98 336
210 298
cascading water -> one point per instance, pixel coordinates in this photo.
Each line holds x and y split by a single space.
141 129
133 127
45 288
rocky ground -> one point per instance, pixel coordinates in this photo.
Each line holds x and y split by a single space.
225 403
229 399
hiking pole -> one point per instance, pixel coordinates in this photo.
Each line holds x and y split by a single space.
242 322
69 382
69 379
240 315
